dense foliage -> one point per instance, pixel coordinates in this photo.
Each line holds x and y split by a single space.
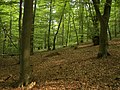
79 23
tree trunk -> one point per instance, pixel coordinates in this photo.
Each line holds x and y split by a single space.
54 40
20 17
50 19
115 25
32 32
75 30
68 29
10 43
4 40
103 39
110 37
82 21
45 39
25 69
104 19
1 33
119 16
63 31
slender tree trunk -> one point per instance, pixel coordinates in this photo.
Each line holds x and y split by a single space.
25 69
50 19
79 13
77 40
3 35
45 40
75 30
88 25
115 21
59 26
4 41
0 25
70 34
32 32
63 31
109 33
82 20
119 17
10 44
20 28
20 17
67 38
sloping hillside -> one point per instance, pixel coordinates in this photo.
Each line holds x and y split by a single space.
68 69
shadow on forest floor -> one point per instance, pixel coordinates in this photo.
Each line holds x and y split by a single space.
68 69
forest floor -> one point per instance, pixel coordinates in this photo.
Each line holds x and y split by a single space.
67 69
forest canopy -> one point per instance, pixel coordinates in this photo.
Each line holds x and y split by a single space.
79 23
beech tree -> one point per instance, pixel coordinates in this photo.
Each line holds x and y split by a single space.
25 69
103 19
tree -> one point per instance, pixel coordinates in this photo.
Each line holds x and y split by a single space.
83 11
50 19
63 30
103 19
68 29
54 39
25 70
32 32
75 29
82 21
19 24
118 1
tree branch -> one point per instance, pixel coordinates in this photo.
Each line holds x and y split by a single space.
96 6
107 8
